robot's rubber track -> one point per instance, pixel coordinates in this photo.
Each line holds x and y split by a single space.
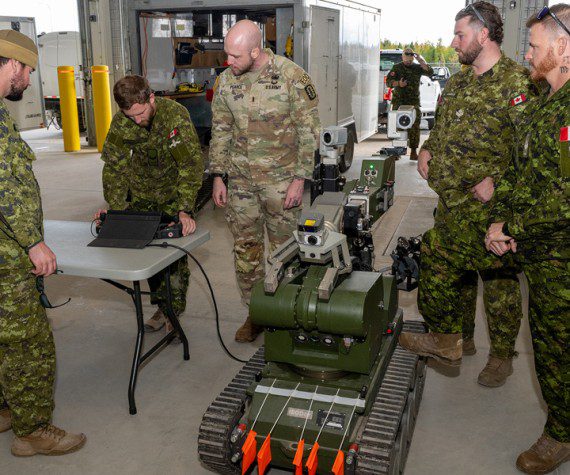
222 415
385 440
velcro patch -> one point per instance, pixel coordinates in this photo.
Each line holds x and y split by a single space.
173 133
515 101
311 93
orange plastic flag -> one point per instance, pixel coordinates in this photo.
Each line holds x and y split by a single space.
249 450
298 460
338 465
313 460
264 455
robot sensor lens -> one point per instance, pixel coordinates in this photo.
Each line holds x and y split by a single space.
312 240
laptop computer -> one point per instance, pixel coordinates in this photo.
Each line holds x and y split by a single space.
127 229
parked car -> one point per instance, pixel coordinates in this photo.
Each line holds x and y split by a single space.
430 90
441 74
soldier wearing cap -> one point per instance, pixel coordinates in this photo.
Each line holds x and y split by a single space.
153 162
405 78
265 131
466 154
27 351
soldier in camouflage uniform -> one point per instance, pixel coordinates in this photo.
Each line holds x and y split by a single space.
405 78
531 217
27 351
153 162
264 134
468 152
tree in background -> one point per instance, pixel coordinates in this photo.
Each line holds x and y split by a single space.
432 53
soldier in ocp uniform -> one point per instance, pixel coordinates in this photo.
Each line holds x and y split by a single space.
405 78
466 154
531 218
27 351
153 162
265 131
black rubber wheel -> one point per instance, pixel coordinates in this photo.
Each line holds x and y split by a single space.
346 160
430 123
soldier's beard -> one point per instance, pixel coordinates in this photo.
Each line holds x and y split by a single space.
17 89
470 54
540 70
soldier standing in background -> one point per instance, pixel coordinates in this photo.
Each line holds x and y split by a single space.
466 154
405 78
152 155
265 130
531 218
27 351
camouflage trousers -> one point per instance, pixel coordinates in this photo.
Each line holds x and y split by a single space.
414 131
251 210
179 279
549 317
447 294
27 354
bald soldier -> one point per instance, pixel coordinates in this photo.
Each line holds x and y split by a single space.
265 131
27 351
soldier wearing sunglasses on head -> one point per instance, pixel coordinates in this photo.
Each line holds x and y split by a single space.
531 223
466 154
405 78
27 351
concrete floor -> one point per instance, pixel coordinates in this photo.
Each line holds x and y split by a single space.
462 428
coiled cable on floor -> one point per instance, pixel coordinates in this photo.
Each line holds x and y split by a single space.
228 352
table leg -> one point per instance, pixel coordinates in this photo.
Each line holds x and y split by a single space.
138 347
172 316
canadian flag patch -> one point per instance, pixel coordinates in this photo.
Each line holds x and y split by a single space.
173 134
515 101
565 134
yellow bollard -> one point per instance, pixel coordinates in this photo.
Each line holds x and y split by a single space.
68 106
101 103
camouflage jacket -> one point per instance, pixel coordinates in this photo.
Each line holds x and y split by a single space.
409 95
161 167
474 135
21 217
265 124
534 197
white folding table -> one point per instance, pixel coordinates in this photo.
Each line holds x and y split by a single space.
69 239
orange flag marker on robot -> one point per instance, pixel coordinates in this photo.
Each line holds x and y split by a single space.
249 450
338 465
264 455
298 460
313 460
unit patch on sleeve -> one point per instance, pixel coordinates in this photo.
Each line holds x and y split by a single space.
311 93
305 80
173 133
564 151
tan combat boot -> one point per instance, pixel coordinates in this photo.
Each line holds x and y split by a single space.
47 440
5 419
156 322
544 456
413 154
248 332
495 372
444 347
469 346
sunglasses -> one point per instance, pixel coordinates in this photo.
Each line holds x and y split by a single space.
44 301
408 54
546 11
470 7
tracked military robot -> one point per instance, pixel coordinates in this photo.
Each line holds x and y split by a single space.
330 391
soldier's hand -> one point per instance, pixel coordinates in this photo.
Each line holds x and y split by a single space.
498 242
294 196
402 82
423 167
219 193
483 191
43 259
188 224
98 215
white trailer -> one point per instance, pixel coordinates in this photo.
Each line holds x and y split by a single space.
29 112
336 42
60 48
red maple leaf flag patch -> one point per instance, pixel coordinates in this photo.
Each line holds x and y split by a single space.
515 101
173 134
565 134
